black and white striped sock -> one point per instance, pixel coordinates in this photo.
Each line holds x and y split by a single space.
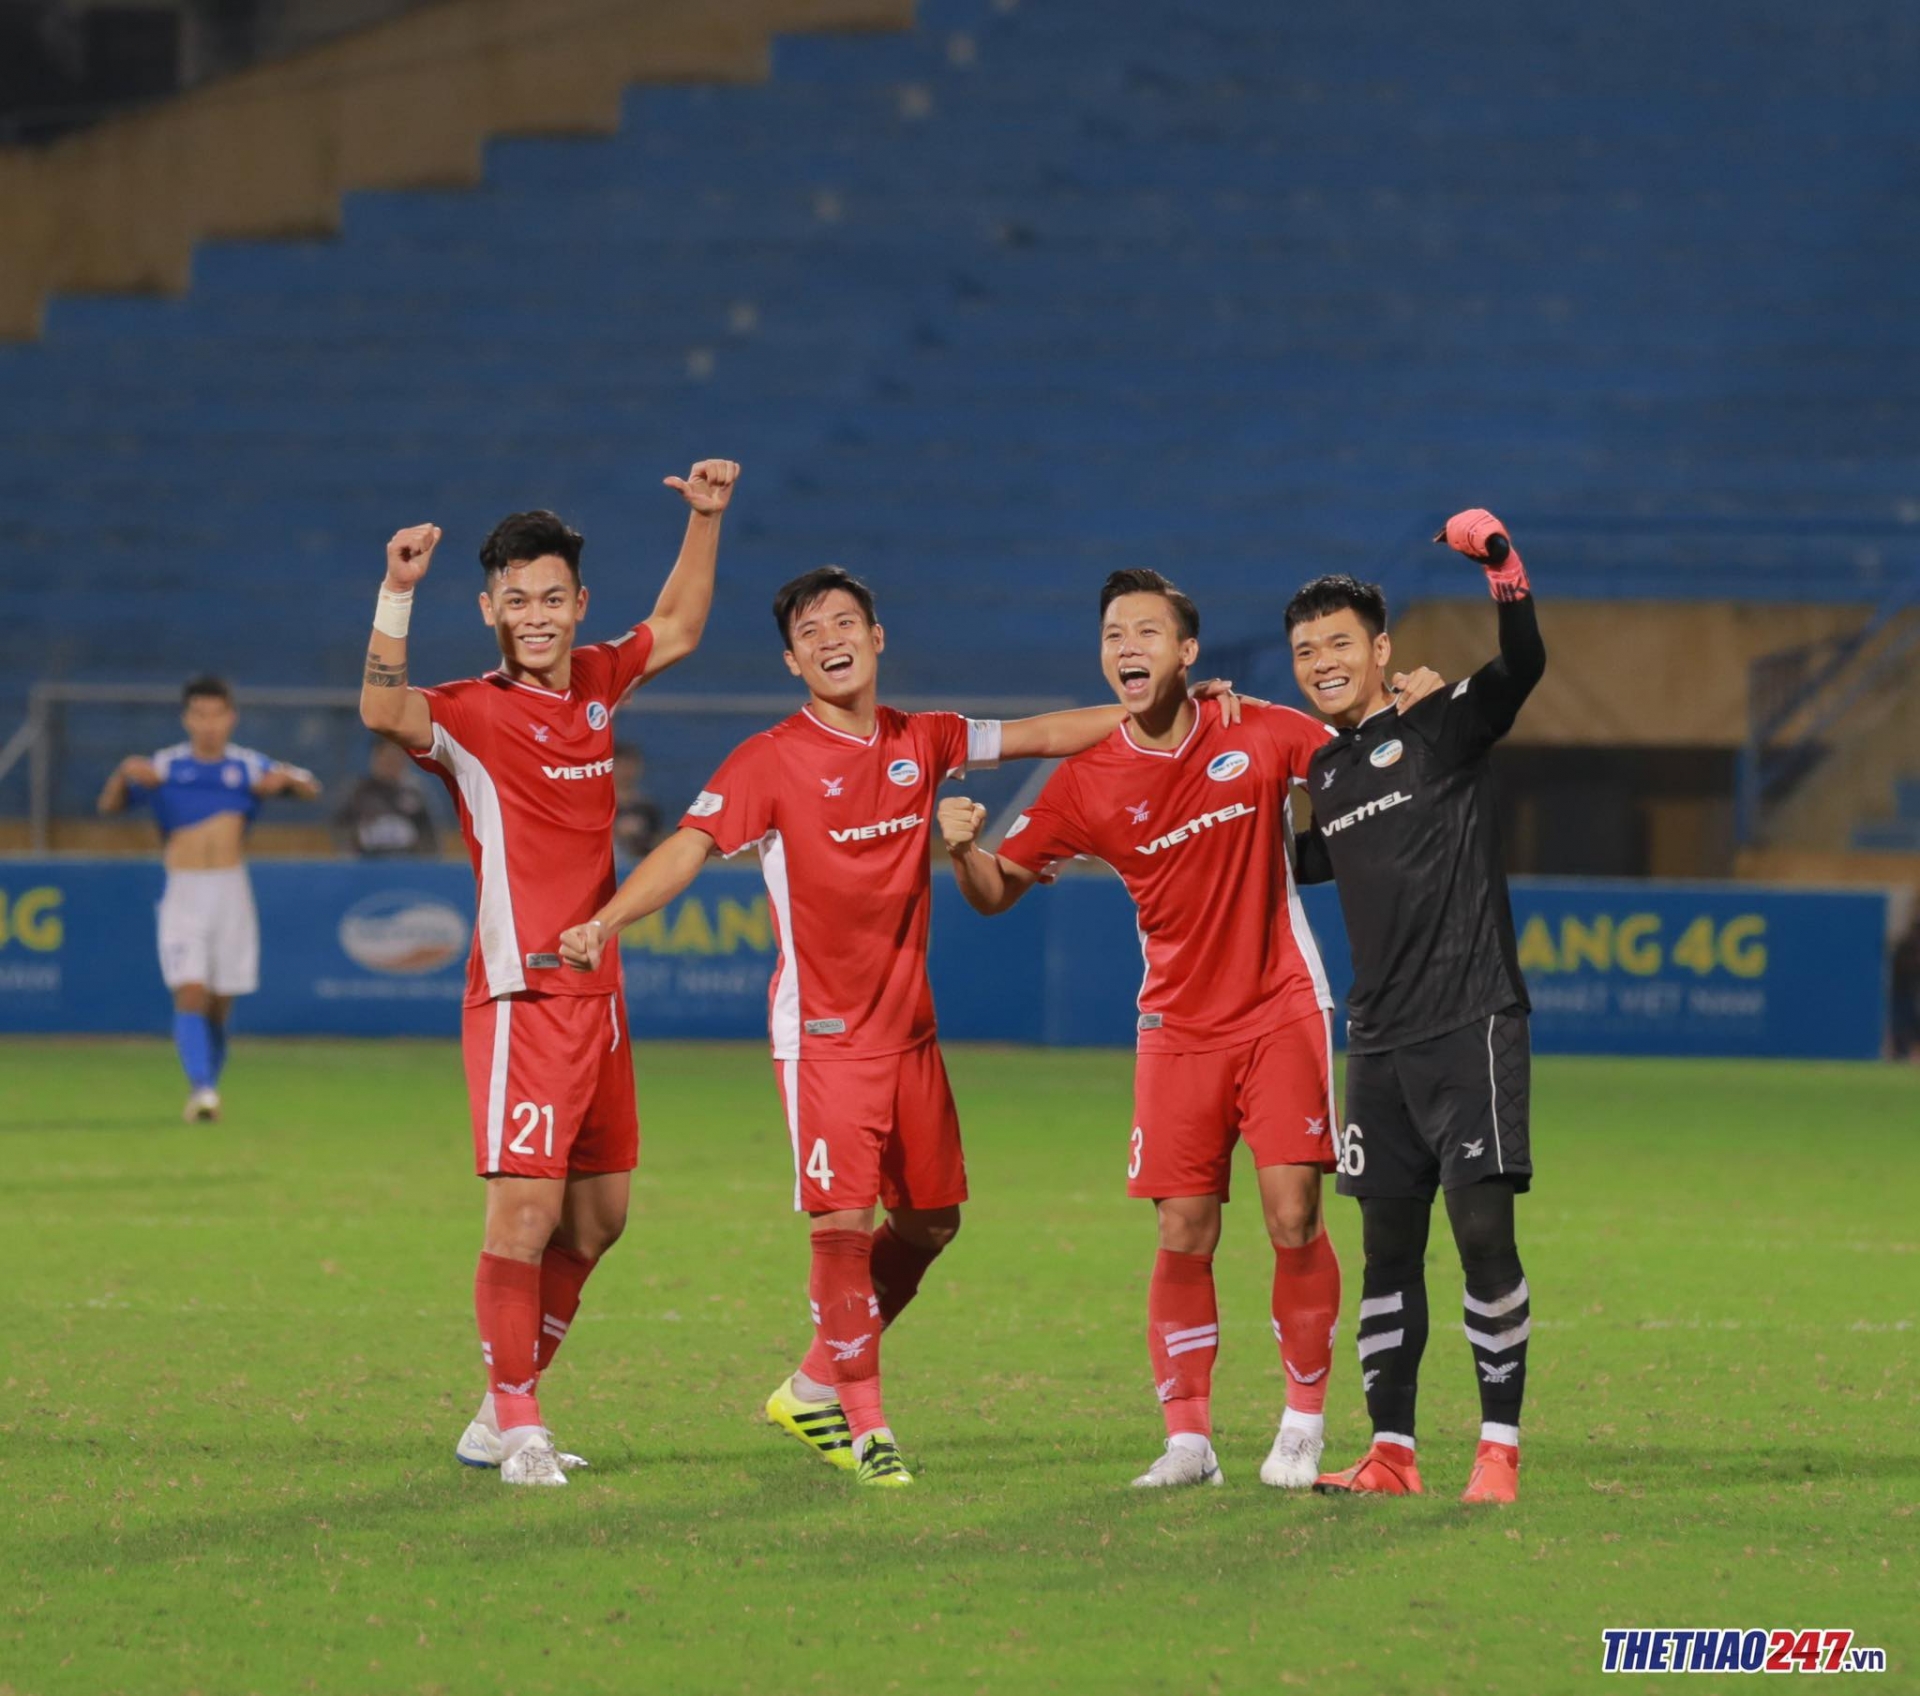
1499 1320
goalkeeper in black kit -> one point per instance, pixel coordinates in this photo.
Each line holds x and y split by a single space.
1438 1060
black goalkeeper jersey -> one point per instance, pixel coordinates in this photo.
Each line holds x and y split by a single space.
1406 820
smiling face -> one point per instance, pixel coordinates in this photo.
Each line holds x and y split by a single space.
534 607
833 650
1341 666
1143 654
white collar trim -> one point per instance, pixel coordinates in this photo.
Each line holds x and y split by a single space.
531 688
1199 714
844 735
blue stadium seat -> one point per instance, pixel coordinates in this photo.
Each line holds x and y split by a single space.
1031 291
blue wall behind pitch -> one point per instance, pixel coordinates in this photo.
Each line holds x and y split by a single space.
371 949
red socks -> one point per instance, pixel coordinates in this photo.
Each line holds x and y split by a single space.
897 1266
1183 1336
506 1301
846 1319
1306 1308
563 1274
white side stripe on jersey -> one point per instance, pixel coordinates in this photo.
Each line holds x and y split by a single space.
784 1013
499 945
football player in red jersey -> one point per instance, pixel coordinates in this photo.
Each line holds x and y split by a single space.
839 800
527 753
1235 1024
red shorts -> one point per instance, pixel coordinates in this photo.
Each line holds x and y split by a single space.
550 1085
881 1129
1190 1109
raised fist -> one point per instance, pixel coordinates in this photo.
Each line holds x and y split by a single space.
1480 536
708 486
581 946
410 553
960 821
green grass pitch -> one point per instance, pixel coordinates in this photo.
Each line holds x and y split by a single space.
237 1359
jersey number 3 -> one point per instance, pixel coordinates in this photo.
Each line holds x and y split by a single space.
527 1116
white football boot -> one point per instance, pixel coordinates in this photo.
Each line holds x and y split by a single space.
533 1461
480 1443
202 1108
1294 1461
1183 1463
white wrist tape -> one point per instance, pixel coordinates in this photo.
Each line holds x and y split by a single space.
393 612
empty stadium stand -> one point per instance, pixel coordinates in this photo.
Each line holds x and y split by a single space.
1033 290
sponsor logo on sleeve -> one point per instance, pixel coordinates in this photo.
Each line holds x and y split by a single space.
597 715
1016 827
1223 768
706 804
1387 754
1460 688
906 773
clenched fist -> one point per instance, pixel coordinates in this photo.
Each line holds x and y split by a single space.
708 486
410 553
960 821
582 946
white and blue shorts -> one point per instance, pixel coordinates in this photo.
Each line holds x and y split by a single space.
209 931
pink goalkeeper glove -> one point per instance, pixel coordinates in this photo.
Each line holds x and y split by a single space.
1480 536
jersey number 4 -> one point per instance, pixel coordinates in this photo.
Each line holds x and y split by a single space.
817 1168
527 1117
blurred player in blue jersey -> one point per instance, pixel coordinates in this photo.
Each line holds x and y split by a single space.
204 793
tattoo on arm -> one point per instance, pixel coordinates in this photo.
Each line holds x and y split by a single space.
381 675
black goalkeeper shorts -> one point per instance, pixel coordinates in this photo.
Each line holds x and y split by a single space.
1440 1114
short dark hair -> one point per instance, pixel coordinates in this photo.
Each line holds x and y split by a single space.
1329 594
206 687
531 535
792 599
1141 581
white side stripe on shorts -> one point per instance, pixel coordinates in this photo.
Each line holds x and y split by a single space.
1493 1092
497 1081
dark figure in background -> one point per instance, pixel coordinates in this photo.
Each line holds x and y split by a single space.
385 814
1905 987
636 815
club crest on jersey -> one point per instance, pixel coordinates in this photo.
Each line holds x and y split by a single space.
705 805
1387 754
230 776
596 715
1137 814
1223 768
906 773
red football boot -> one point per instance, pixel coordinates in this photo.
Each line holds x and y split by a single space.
1386 1469
1496 1474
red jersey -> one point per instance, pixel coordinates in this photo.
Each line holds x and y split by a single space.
531 772
841 823
1200 835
